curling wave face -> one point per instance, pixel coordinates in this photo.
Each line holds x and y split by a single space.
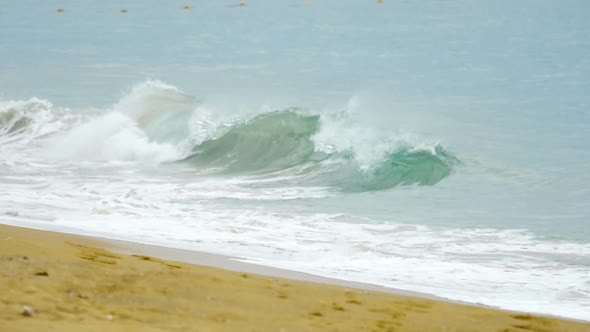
158 123
283 142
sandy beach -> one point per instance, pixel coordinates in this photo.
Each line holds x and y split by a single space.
58 282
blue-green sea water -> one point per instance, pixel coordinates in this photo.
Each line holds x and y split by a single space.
434 146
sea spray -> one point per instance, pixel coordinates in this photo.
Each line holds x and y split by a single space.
24 121
156 122
283 142
110 136
162 111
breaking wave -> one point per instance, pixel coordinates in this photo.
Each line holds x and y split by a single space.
156 122
283 142
24 121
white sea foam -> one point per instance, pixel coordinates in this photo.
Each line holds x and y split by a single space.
112 136
21 122
511 269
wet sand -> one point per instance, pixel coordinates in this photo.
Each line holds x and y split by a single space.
58 282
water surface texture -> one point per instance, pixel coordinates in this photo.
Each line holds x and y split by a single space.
435 146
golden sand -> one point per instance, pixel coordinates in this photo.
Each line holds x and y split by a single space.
56 282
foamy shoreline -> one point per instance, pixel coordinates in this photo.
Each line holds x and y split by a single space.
231 263
64 282
244 265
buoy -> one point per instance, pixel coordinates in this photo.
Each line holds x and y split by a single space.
60 10
187 7
308 4
242 4
379 1
1 12
123 10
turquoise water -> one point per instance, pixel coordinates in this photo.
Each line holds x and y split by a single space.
438 146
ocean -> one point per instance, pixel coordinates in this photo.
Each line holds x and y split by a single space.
434 146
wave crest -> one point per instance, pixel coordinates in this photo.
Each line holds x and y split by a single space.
268 142
159 123
281 143
24 121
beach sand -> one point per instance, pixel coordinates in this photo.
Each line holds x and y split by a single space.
58 282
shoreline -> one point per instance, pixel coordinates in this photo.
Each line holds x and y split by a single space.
74 282
238 264
227 262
